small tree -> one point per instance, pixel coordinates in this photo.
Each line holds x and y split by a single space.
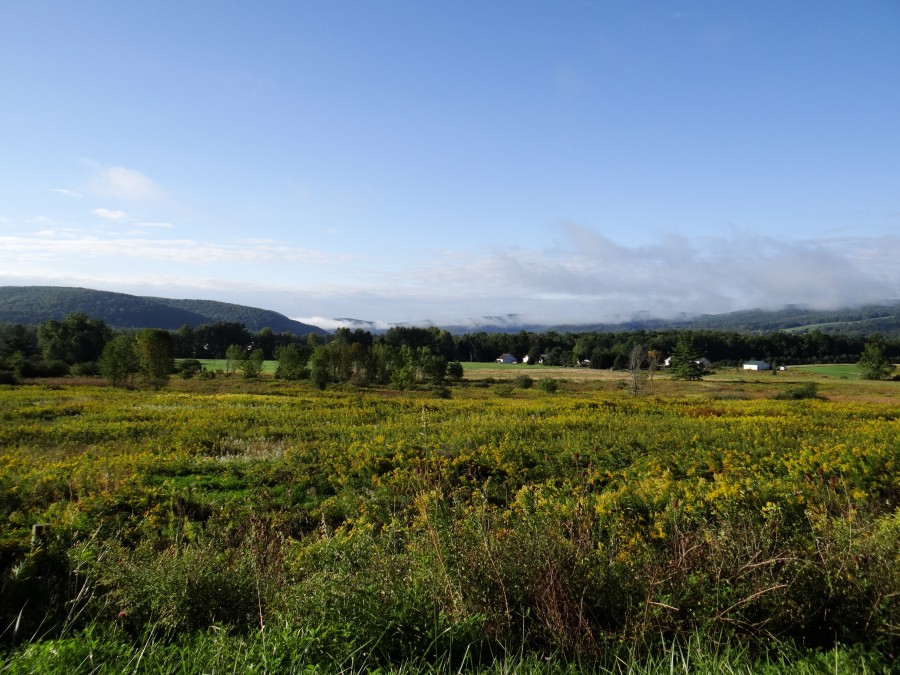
874 363
636 359
234 358
455 370
685 359
291 362
320 368
118 361
252 365
154 355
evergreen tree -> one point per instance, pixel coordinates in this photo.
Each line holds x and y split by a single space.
685 359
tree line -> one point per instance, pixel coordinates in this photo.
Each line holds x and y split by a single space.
402 356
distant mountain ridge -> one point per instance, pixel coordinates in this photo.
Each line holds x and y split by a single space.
860 321
35 304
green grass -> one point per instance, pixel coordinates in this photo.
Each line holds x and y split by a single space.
219 364
278 649
842 370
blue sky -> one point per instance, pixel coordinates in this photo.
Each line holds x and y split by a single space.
410 161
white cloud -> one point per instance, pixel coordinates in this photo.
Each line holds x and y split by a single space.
109 214
122 183
594 279
586 278
332 324
188 251
65 192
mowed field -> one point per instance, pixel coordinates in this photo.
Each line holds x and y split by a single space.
232 525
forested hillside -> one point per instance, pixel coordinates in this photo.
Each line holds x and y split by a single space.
32 305
850 321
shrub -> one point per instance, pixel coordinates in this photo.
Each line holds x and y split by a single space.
523 381
548 385
192 365
89 369
51 368
503 390
803 391
454 370
183 588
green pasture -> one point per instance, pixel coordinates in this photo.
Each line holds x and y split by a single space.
841 370
220 364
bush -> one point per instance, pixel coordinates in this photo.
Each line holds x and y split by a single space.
192 365
454 370
548 385
523 381
503 390
803 391
52 368
89 369
190 587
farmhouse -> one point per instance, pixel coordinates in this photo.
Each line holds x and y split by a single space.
756 365
507 358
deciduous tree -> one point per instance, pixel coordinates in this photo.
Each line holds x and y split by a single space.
154 349
119 362
874 363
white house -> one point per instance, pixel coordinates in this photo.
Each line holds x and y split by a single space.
507 358
756 365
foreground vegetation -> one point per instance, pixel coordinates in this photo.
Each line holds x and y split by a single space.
268 526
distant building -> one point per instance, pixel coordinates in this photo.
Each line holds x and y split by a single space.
507 358
756 365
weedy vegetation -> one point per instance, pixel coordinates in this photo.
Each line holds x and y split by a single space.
266 526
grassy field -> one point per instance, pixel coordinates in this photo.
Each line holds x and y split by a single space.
841 370
263 526
221 364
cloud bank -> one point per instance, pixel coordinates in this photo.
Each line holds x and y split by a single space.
586 277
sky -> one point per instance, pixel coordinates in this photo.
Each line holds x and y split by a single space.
442 162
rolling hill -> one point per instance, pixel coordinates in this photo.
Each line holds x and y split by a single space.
35 304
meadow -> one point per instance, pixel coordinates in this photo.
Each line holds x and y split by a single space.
268 527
